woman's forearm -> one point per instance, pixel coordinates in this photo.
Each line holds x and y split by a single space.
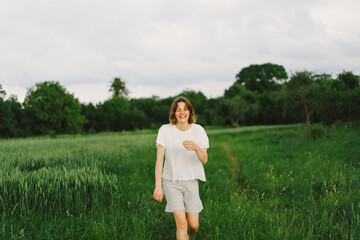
158 192
202 154
159 164
158 173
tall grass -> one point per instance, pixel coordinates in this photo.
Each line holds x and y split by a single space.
277 182
289 184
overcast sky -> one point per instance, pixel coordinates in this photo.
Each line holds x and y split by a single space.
163 47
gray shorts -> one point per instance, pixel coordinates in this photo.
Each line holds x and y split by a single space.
182 194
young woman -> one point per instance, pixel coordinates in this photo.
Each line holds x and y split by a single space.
184 145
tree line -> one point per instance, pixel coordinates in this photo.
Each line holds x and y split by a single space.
261 94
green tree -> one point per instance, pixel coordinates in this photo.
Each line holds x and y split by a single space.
347 85
139 120
246 100
354 107
118 88
216 112
13 121
269 108
336 99
143 112
326 99
52 109
236 108
89 113
152 111
7 125
299 95
2 92
114 114
262 78
349 79
235 89
161 110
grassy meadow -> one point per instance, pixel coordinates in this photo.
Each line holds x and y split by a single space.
263 182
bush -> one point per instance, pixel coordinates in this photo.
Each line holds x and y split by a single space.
316 131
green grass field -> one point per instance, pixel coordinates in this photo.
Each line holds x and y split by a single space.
264 182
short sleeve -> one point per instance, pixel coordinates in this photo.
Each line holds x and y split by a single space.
203 138
160 140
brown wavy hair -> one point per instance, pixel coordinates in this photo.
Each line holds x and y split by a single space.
172 117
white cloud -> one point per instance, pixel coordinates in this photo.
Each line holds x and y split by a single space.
99 91
90 92
211 89
18 91
163 46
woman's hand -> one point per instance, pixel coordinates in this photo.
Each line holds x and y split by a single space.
190 145
158 193
200 152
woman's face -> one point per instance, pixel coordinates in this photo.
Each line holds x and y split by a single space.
182 113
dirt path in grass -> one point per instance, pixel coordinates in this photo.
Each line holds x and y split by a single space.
235 170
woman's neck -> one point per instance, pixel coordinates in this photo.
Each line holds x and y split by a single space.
183 126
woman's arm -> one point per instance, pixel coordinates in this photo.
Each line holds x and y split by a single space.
200 152
158 192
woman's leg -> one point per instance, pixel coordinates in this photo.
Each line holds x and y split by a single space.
181 225
193 223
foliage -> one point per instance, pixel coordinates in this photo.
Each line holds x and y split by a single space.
114 114
216 112
118 88
349 79
51 108
354 107
150 112
236 107
242 105
299 95
338 99
316 131
258 96
2 92
326 100
349 91
270 109
144 108
236 89
262 78
13 121
90 114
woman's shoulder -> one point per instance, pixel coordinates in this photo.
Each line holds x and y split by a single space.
165 126
198 127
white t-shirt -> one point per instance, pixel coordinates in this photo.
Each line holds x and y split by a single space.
180 163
